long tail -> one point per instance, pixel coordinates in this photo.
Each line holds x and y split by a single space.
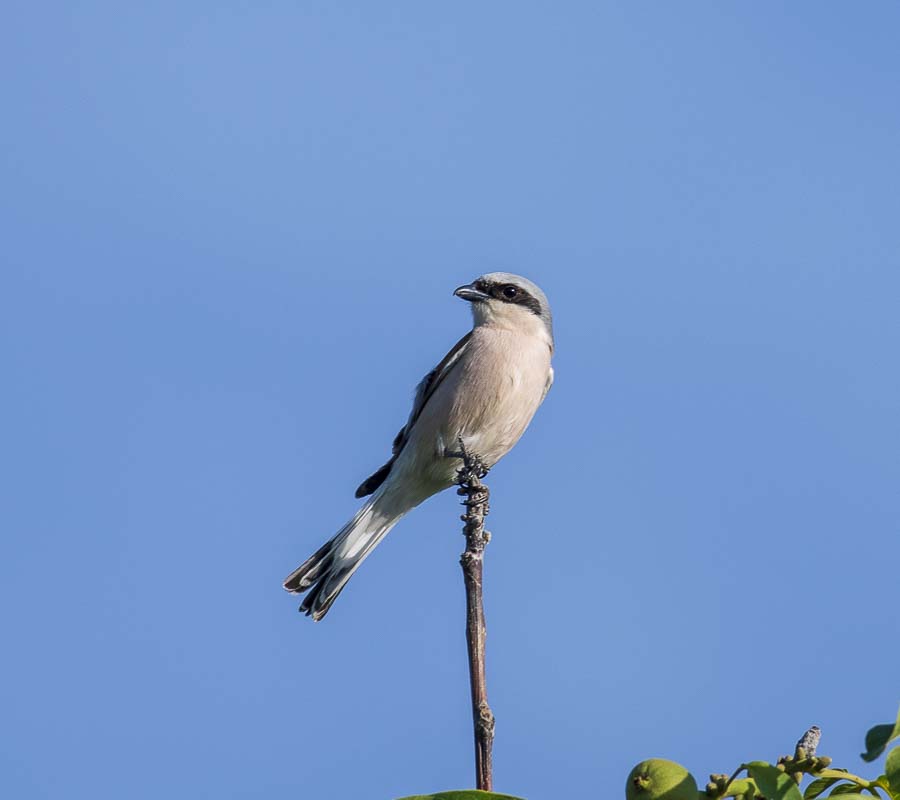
325 573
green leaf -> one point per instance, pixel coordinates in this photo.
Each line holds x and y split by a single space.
464 794
856 796
742 787
892 771
845 788
817 787
772 782
878 737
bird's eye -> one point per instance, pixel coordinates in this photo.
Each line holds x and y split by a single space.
509 292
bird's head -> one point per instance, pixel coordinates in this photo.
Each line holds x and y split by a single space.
509 301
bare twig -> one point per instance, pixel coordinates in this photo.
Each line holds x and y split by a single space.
476 503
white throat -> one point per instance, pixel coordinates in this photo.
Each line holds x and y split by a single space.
511 317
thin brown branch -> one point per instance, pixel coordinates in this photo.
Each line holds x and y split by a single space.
472 561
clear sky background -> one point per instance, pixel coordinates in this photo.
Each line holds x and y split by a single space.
230 236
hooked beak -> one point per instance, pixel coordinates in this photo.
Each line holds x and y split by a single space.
470 293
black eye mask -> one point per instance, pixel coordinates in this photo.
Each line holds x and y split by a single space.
508 293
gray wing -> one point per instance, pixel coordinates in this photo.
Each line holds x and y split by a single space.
424 390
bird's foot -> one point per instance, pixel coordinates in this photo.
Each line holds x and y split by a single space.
472 466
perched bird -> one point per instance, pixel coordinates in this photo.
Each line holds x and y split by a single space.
809 742
483 394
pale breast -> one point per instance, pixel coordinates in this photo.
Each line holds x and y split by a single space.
488 398
495 391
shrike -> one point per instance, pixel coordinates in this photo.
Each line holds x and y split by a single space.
483 393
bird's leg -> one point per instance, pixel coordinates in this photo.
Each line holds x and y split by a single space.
472 466
468 479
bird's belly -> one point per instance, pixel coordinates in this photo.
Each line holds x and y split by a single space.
488 401
490 407
492 426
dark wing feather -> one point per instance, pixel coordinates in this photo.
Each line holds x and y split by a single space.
424 390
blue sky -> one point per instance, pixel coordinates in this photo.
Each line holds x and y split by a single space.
230 236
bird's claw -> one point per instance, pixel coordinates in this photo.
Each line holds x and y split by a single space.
472 466
476 467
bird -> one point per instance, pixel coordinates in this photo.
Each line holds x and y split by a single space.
810 741
481 396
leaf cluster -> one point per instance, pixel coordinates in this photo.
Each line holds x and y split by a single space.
782 781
